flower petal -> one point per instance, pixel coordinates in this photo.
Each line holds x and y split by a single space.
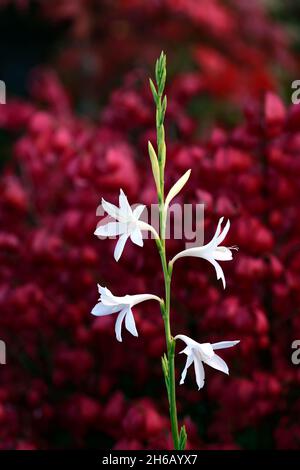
138 210
219 270
199 370
107 298
205 349
204 252
225 230
124 204
224 344
120 246
110 230
217 363
189 361
136 237
222 253
186 351
214 240
187 340
118 325
111 209
100 310
130 323
138 298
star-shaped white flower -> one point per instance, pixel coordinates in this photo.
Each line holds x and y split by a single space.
126 224
198 353
212 251
110 303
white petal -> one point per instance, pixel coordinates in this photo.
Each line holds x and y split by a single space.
202 252
100 310
217 363
219 271
106 297
130 323
104 291
218 236
186 350
205 349
224 232
111 209
199 370
210 250
138 298
110 230
187 340
101 289
189 361
197 252
214 240
222 253
224 344
124 204
136 237
120 246
118 325
137 212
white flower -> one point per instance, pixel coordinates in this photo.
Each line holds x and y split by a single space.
110 303
127 224
212 252
198 353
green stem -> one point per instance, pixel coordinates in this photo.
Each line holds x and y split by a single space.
171 352
168 362
170 343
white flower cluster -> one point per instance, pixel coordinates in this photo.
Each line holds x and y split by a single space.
126 224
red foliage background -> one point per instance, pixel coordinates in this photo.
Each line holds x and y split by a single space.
80 134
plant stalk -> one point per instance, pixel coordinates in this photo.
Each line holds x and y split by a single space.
168 362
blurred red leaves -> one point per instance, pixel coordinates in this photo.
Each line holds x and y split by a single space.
67 381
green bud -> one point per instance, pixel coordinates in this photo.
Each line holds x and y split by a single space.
165 368
182 438
160 73
163 108
155 166
153 89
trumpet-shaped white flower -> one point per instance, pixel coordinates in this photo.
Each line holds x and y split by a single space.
212 251
126 224
198 353
110 303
